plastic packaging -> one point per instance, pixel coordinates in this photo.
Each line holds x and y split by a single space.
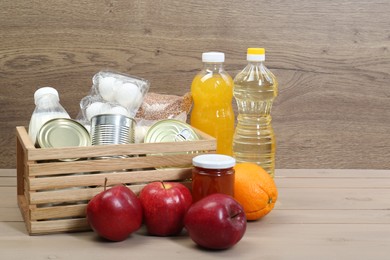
47 107
212 93
113 93
160 106
255 89
156 107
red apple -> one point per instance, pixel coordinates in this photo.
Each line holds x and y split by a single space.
216 222
165 205
115 213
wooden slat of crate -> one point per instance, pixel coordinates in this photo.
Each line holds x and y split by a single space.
70 194
24 209
117 150
114 164
61 196
97 179
59 212
60 225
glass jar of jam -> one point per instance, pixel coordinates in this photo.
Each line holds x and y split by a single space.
212 173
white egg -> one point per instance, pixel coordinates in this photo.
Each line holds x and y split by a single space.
93 109
105 108
137 102
96 108
127 94
139 133
136 105
119 110
107 88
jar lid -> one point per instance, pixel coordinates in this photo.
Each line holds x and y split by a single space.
213 57
213 161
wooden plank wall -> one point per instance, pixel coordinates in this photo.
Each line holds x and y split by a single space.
332 59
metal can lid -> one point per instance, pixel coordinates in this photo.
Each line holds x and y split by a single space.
170 130
63 132
214 161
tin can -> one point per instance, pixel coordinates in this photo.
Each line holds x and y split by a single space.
63 132
112 129
170 130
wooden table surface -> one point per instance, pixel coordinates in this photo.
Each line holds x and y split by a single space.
320 214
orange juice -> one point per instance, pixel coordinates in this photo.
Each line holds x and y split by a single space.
212 92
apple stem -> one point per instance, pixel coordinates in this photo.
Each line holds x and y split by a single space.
163 185
105 183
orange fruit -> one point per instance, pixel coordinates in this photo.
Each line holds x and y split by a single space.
254 189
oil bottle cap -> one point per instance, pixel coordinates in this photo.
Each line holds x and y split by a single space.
214 161
255 54
213 57
43 91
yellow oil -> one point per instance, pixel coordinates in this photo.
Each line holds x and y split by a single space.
254 141
212 112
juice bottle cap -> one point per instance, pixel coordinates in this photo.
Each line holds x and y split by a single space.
213 57
43 91
213 161
255 54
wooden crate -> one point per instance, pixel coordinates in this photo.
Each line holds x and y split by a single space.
53 194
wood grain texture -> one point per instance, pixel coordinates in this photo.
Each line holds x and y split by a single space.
347 217
332 59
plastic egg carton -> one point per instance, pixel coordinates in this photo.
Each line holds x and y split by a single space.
113 93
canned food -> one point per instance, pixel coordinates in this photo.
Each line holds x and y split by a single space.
170 130
112 129
63 132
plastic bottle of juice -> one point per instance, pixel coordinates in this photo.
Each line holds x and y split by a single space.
212 92
255 89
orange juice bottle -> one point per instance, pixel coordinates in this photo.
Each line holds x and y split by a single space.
212 92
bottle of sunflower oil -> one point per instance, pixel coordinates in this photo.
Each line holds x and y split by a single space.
255 89
212 93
